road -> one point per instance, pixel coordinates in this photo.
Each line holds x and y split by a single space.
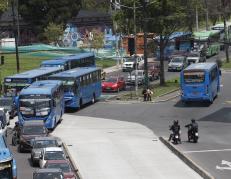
214 134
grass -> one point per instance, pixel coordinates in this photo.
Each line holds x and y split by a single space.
158 90
29 61
226 66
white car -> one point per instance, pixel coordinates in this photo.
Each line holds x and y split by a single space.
177 63
136 75
51 153
131 63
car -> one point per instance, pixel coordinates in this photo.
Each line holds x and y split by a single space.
38 144
64 165
114 84
4 113
153 70
131 63
177 63
48 173
28 132
51 153
136 75
9 107
195 57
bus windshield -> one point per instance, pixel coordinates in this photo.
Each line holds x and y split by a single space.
35 107
6 170
69 85
12 90
194 77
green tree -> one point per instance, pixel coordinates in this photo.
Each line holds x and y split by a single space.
3 5
98 40
53 32
166 16
98 5
39 13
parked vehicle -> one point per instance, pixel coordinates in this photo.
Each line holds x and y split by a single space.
3 123
114 84
132 63
177 63
200 82
195 57
51 153
64 165
48 173
28 132
153 70
136 75
38 144
9 106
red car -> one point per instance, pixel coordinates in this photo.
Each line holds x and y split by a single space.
114 84
64 165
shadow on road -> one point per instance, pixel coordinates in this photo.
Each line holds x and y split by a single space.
221 115
181 104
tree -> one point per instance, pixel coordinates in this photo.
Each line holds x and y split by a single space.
53 32
100 5
167 17
98 40
39 13
3 5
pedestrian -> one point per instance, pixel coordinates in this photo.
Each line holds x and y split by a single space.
149 94
144 92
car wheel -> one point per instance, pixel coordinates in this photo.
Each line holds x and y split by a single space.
20 148
93 99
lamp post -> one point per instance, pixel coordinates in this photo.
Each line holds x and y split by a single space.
146 80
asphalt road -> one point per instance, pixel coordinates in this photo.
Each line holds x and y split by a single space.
213 134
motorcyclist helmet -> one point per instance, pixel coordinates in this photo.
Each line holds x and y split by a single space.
193 120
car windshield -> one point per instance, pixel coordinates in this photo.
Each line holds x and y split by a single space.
48 175
34 130
177 60
63 166
130 60
54 155
112 80
5 170
44 143
35 107
194 77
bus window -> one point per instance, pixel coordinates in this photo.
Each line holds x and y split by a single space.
194 77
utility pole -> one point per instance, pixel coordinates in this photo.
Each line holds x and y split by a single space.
207 15
146 85
15 35
197 23
134 19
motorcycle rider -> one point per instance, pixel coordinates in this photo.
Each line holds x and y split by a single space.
175 128
192 127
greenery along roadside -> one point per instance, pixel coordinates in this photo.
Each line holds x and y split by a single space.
226 66
28 62
158 90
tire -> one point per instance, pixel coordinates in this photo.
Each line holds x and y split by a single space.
32 161
80 103
93 99
20 148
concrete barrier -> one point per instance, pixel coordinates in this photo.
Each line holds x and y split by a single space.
74 166
187 160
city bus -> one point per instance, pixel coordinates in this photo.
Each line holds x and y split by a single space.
209 40
221 28
8 168
200 82
71 61
42 100
81 85
12 85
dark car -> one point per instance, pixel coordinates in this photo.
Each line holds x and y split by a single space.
64 165
28 132
39 143
54 173
8 104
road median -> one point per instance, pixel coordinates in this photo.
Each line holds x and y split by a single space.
187 160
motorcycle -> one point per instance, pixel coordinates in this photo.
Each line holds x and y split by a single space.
193 135
176 138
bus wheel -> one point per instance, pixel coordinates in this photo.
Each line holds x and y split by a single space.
80 103
93 99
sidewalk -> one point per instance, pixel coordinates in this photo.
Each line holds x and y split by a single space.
110 149
112 69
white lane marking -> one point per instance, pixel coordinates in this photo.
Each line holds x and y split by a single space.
203 151
224 162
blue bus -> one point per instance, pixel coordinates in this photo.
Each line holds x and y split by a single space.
200 82
71 61
8 168
81 85
12 85
42 100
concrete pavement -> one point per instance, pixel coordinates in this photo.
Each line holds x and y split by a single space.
105 148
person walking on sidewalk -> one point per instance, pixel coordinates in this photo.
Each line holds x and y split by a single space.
144 92
149 94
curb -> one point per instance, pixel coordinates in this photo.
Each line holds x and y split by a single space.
187 160
169 92
73 164
164 100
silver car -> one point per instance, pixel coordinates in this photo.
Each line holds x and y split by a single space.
39 143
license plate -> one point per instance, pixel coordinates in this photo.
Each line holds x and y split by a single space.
108 88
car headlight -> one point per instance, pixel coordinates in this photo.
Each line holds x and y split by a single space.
114 86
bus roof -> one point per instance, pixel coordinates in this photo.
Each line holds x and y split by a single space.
220 26
5 153
204 35
62 60
45 87
35 72
73 73
200 66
